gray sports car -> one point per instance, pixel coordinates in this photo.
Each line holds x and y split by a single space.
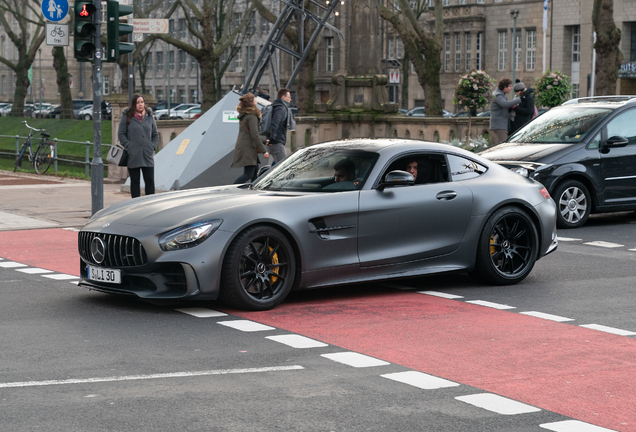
336 213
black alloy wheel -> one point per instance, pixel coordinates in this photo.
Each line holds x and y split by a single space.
258 270
574 204
508 247
43 158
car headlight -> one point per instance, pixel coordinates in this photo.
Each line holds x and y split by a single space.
189 236
520 170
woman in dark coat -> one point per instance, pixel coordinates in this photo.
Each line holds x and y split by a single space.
525 110
138 134
248 143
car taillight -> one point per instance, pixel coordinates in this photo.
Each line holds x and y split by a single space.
545 193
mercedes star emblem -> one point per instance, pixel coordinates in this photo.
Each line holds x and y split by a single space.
98 250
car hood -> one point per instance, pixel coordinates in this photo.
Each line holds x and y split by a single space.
522 152
173 209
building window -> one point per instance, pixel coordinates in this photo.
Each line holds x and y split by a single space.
251 56
531 49
182 97
265 26
575 91
159 94
480 1
447 53
182 28
182 60
502 51
399 48
193 63
632 48
149 62
238 16
461 2
193 96
444 2
171 60
518 52
576 44
393 93
329 54
171 26
391 55
159 60
251 25
238 61
468 46
106 85
458 52
478 43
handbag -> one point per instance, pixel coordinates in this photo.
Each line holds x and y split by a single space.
117 155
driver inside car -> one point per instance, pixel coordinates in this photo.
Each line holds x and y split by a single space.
344 170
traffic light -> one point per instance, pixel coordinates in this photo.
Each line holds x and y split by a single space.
84 34
116 29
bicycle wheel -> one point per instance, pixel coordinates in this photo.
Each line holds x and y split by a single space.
43 158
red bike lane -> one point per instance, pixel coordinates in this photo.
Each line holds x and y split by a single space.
580 373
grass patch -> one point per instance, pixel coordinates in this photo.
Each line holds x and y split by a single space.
63 170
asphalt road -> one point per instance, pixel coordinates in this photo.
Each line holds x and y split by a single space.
459 357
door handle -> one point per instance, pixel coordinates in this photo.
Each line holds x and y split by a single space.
446 195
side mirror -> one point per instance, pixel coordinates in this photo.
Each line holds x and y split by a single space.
615 142
262 170
397 178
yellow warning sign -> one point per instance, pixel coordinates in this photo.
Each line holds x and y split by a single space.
183 146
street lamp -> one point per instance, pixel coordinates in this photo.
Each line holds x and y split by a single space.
514 13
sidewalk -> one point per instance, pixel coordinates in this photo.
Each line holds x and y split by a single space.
30 201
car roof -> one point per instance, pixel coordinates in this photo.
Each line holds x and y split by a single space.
611 102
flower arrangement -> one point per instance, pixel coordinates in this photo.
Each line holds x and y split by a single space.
474 90
552 89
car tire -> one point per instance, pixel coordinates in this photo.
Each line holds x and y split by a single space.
508 247
87 117
258 270
574 204
164 117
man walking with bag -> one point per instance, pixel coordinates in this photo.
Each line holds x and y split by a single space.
282 119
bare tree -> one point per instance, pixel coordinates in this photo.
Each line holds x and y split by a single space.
26 39
213 32
608 53
422 45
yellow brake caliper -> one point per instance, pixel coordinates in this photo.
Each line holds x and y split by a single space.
273 279
492 245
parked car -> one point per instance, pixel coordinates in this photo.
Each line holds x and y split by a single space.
298 227
86 113
188 113
5 109
162 114
78 104
467 114
41 112
419 112
402 111
583 151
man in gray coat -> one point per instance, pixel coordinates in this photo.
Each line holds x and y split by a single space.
499 112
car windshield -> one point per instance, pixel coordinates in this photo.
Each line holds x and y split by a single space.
567 124
320 170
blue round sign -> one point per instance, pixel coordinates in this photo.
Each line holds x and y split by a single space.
54 10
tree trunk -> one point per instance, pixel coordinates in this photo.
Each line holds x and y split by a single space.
209 95
306 84
406 69
22 83
61 69
608 53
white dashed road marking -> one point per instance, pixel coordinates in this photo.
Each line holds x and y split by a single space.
33 270
60 276
491 305
297 341
152 376
498 404
604 244
609 329
201 312
547 316
420 380
568 239
355 359
573 426
440 294
11 264
246 325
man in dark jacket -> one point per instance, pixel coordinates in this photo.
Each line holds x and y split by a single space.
525 110
278 131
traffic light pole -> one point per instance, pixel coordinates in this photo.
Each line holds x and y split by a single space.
97 165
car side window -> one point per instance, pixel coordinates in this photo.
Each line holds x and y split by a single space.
425 168
595 142
623 126
464 169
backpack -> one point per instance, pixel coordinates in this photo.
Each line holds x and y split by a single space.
266 120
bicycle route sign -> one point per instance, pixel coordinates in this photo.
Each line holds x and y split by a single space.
56 34
55 10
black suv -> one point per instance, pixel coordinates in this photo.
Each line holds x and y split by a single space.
583 151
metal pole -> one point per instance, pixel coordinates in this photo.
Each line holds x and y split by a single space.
40 54
169 88
97 171
593 66
131 70
515 14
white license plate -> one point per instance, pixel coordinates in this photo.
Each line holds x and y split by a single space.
104 275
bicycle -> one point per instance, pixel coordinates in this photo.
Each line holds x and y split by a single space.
40 159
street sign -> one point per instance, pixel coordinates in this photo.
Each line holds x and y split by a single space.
154 26
55 10
56 34
394 77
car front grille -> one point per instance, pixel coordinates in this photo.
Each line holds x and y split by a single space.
121 251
